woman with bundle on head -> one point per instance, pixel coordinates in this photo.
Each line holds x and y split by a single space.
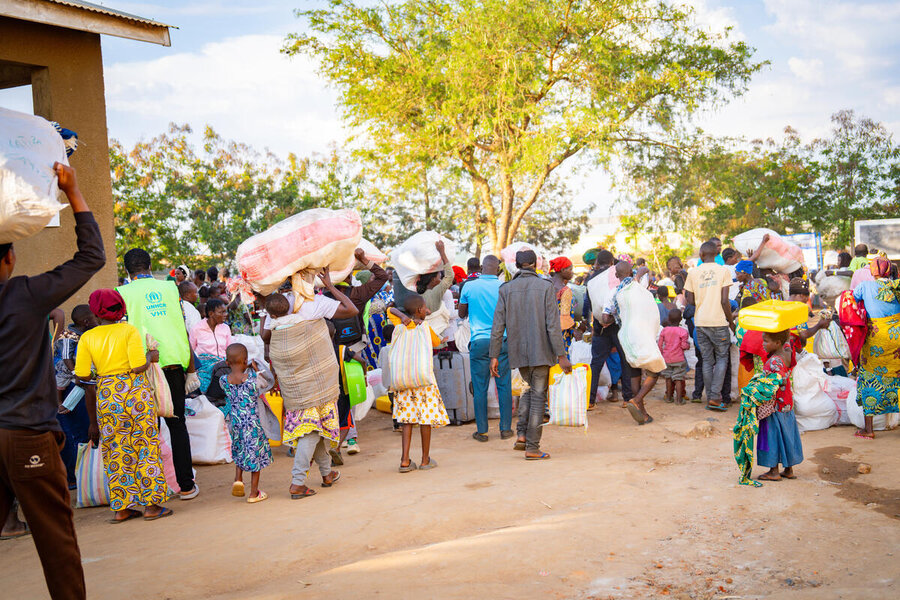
122 410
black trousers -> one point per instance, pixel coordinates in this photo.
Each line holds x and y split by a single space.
181 443
602 343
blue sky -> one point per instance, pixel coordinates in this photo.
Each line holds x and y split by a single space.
224 69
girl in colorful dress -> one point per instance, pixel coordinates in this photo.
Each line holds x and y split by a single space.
561 271
123 406
249 445
779 436
422 405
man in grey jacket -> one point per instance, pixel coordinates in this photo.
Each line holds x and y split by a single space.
527 311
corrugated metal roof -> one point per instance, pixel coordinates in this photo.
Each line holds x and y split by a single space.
109 11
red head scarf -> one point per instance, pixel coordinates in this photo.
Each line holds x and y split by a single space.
107 304
880 267
559 263
459 274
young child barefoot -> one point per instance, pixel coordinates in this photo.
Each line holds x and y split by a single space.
779 436
422 405
249 445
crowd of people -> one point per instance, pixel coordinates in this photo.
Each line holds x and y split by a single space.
513 320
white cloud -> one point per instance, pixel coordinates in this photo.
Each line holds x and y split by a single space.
807 70
710 15
241 86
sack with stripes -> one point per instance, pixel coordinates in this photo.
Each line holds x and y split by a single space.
410 358
569 398
90 476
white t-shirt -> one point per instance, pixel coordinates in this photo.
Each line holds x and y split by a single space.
191 314
318 308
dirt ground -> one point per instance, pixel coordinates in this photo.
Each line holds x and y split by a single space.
620 511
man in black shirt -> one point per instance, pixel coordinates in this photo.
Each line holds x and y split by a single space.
31 469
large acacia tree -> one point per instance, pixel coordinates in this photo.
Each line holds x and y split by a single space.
507 90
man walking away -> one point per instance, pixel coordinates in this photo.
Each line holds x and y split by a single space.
529 316
706 288
31 469
478 302
154 307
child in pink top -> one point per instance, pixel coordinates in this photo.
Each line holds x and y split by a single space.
673 341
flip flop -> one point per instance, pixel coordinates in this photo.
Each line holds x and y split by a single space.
432 464
165 512
863 436
635 412
783 476
714 408
519 445
543 456
237 489
334 479
336 458
297 496
408 468
262 496
133 514
647 421
24 533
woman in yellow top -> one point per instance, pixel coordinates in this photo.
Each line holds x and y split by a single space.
123 406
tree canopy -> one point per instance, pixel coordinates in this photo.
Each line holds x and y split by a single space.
505 91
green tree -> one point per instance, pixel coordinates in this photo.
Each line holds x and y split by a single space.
508 90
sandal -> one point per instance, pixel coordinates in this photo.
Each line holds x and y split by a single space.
15 536
408 468
648 420
716 408
787 476
864 436
335 477
165 512
237 489
766 477
132 514
432 464
543 456
635 412
258 498
519 445
304 494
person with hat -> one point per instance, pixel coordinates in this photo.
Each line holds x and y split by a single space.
122 410
561 274
31 469
748 285
527 317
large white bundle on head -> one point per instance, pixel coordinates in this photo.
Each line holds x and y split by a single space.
310 240
508 255
29 146
779 254
417 256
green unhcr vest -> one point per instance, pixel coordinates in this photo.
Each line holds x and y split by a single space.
154 307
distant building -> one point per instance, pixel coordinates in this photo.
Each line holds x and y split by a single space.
54 46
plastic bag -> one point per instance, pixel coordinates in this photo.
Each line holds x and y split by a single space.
210 440
312 239
580 352
375 382
463 335
362 409
417 256
813 408
842 391
256 348
410 358
600 288
518 383
779 254
162 394
568 398
830 343
605 378
639 332
90 476
29 146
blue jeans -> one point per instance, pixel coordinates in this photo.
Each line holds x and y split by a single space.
480 364
75 425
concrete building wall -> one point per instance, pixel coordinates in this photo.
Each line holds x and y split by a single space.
67 88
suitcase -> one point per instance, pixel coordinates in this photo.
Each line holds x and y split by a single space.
452 375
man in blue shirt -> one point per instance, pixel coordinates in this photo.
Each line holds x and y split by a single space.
478 301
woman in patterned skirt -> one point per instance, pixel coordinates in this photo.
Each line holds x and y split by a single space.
123 406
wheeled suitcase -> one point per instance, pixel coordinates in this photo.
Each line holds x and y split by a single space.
451 372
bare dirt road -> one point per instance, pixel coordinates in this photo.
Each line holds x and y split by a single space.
620 511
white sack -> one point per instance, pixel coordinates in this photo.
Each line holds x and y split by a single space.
210 440
256 348
842 391
417 256
29 146
779 254
640 328
813 407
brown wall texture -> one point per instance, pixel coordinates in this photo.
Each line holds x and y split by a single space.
67 89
